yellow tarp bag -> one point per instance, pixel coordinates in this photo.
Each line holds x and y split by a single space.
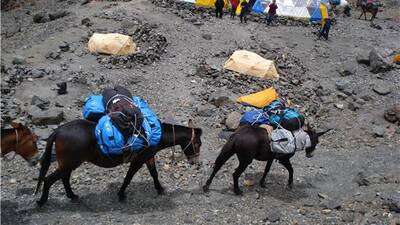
259 99
209 3
396 59
112 44
250 63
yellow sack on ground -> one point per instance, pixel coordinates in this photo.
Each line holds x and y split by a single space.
396 59
250 63
259 99
113 44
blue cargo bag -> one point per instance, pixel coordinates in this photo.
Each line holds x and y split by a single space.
111 141
94 108
254 117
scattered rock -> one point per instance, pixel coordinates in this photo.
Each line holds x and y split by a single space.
393 202
18 60
347 69
37 73
62 88
49 117
339 105
57 15
204 111
53 55
40 103
365 180
342 84
207 36
86 22
363 58
353 106
382 89
274 216
40 18
323 196
219 98
377 63
379 131
232 121
393 114
332 204
64 47
326 211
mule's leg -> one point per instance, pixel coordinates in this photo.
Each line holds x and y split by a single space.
288 166
362 12
133 168
239 170
48 181
151 166
221 159
67 186
266 170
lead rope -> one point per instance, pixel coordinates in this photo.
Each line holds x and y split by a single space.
173 147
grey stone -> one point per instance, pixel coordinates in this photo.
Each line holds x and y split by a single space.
382 89
274 216
204 111
379 131
232 120
219 98
347 69
40 18
49 117
377 63
363 58
353 106
64 47
207 36
86 22
392 114
40 103
57 15
37 73
342 84
393 202
18 60
332 204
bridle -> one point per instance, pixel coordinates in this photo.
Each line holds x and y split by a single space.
191 142
15 147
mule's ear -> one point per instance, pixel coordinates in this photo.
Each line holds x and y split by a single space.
16 125
190 123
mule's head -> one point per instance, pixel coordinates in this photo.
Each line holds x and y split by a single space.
25 145
192 150
314 138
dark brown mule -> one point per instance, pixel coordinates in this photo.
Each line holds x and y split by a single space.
251 142
75 143
370 8
20 140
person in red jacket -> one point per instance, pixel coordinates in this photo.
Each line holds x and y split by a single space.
271 12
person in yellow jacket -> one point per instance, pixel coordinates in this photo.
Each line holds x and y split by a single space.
245 9
325 21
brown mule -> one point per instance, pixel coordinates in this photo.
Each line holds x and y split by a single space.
20 140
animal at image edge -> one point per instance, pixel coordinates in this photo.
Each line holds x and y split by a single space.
20 140
75 143
252 142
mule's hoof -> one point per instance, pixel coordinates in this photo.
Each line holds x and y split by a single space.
121 197
262 185
73 197
290 186
40 203
238 192
160 191
206 188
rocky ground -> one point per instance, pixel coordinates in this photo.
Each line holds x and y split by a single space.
347 83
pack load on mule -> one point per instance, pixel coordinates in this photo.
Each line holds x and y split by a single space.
123 122
284 126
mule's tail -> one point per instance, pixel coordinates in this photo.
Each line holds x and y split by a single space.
46 161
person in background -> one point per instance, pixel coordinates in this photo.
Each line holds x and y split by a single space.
219 8
325 23
234 5
244 11
271 12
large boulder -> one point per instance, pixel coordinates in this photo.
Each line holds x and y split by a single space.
377 62
48 117
232 121
393 114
